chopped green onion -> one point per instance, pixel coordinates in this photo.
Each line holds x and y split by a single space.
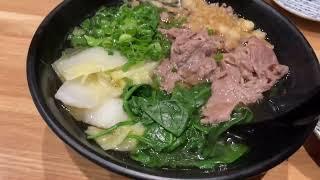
125 38
218 57
210 32
93 41
131 30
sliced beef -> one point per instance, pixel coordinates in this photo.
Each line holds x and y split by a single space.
242 76
191 57
249 70
225 95
168 75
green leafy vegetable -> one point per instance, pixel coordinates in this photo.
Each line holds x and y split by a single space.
197 145
225 153
194 97
169 114
240 115
133 31
198 125
158 107
157 137
133 99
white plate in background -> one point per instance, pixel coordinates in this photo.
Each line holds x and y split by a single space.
308 9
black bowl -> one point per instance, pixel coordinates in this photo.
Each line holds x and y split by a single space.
271 142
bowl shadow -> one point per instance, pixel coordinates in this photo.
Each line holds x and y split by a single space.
59 161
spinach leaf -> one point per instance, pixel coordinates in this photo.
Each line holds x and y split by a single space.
156 137
136 107
151 158
196 123
169 114
194 149
132 103
142 90
172 112
178 142
192 98
139 101
225 153
174 135
195 140
239 116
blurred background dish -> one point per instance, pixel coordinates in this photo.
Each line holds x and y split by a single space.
308 9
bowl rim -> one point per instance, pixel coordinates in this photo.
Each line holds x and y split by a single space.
90 154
